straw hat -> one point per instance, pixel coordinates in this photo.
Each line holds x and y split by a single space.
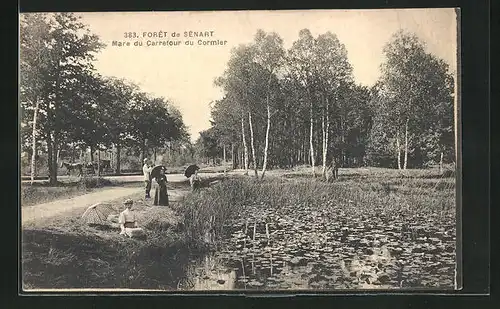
128 202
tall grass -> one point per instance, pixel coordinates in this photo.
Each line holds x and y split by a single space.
70 254
210 210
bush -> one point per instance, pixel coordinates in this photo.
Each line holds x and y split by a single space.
88 182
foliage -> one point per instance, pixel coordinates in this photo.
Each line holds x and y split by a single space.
77 107
313 96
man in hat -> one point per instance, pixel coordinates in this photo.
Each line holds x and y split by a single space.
146 170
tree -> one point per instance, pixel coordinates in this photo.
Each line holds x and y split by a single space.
419 85
69 50
242 83
34 62
117 97
334 71
301 65
209 143
151 123
270 55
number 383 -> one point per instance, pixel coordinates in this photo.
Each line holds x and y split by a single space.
129 35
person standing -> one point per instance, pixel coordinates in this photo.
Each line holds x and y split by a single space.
146 170
161 195
195 181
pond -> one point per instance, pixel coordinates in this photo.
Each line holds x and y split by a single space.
325 249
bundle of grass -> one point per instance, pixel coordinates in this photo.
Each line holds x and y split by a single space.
160 219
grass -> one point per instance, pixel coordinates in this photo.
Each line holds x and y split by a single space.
381 190
67 253
43 192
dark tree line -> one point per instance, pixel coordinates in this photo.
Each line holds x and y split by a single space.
284 108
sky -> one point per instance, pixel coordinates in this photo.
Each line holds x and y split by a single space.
185 74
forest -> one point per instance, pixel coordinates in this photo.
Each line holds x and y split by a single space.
281 107
284 108
68 109
387 221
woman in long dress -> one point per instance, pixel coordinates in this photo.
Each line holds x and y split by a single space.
128 221
161 195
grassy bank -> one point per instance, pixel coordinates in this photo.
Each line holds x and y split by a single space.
411 192
67 252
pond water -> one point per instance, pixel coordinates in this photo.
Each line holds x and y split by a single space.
325 249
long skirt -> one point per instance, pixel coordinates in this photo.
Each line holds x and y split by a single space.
161 196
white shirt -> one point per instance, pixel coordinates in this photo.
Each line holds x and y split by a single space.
194 178
146 170
126 216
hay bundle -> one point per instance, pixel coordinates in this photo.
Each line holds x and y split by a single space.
98 214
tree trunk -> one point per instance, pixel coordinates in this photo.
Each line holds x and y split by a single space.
406 145
311 146
50 154
98 165
323 139
118 161
143 150
224 157
245 147
55 154
326 127
154 154
33 155
57 157
232 156
91 154
252 144
241 159
55 122
398 151
441 163
266 147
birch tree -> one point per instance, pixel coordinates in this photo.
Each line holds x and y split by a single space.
334 70
34 65
301 64
270 55
421 88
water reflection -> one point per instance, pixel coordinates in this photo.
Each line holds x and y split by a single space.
283 254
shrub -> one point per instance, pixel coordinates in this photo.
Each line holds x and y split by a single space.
88 182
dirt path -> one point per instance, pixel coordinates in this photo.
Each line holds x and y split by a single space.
70 206
60 207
